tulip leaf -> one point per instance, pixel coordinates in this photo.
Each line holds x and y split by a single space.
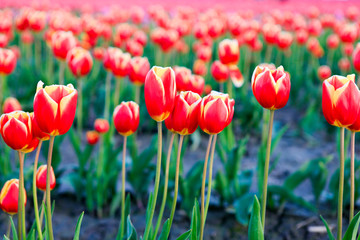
6 238
243 207
78 226
353 228
131 232
165 230
195 221
330 235
13 229
184 236
255 231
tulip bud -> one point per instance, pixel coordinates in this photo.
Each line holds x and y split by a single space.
140 37
98 53
7 61
126 118
229 52
108 57
271 88
37 20
216 112
197 84
41 178
138 68
184 118
55 108
79 61
199 67
301 36
134 48
182 77
332 41
92 137
11 104
219 71
120 64
101 125
9 197
356 58
284 40
16 130
62 42
160 92
340 100
324 72
204 53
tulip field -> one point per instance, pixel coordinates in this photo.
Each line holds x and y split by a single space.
180 120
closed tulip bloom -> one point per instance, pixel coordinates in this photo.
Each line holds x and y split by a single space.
236 76
134 48
340 100
16 129
184 118
324 72
92 137
229 52
216 112
333 41
284 40
41 178
344 64
271 88
9 197
199 67
126 118
108 57
197 84
32 145
356 57
79 61
7 61
204 53
98 53
101 125
219 71
160 92
11 104
120 64
37 133
61 43
55 107
182 77
37 20
138 68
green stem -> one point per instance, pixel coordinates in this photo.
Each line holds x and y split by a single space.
2 80
80 107
352 176
341 184
229 88
210 176
61 72
123 170
266 169
107 95
21 204
43 202
48 198
99 174
50 67
268 53
157 180
117 91
36 207
163 203
203 189
137 94
8 231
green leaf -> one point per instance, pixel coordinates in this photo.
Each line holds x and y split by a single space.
255 231
184 236
78 226
243 207
131 231
330 235
195 221
353 228
13 229
165 230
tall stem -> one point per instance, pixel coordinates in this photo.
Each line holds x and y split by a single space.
61 72
99 174
266 169
36 207
123 170
107 95
352 176
21 208
48 198
163 203
2 80
137 94
117 91
210 176
157 180
229 88
80 107
341 184
43 202
8 231
203 189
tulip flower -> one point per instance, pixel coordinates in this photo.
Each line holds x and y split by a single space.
92 137
120 69
9 197
344 65
182 77
324 72
197 84
219 71
134 48
138 68
229 52
41 178
199 67
356 58
340 106
98 53
271 88
11 104
101 125
7 61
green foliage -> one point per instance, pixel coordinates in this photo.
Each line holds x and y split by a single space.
78 226
256 231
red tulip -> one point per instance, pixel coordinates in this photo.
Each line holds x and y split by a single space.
216 112
160 92
101 125
55 107
270 32
16 130
79 61
197 84
11 104
199 67
356 57
134 48
120 64
340 100
4 40
344 64
219 71
140 37
37 20
204 53
98 53
271 88
9 197
184 118
92 137
37 133
41 178
108 57
284 40
126 118
324 72
182 77
229 52
62 42
333 41
32 145
302 36
348 33
7 61
138 68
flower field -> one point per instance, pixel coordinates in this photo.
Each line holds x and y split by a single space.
179 120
